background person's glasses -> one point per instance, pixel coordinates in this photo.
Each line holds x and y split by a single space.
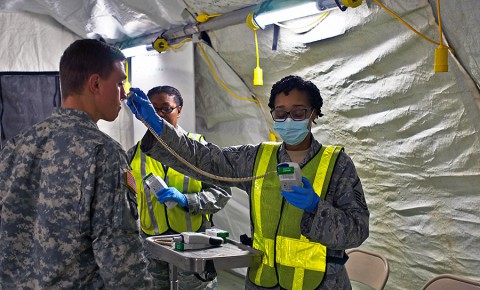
297 114
165 110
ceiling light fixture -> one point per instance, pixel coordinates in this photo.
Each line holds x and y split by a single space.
283 10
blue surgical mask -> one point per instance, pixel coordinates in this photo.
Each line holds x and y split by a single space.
292 132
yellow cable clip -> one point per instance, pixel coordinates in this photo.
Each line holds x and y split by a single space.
352 3
251 22
203 17
160 45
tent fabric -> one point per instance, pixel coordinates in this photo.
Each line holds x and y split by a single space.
32 42
221 115
458 22
413 134
112 20
26 99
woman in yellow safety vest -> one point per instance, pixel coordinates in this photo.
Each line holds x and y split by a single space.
196 201
303 232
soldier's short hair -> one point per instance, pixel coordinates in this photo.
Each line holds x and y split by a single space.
288 83
171 91
83 58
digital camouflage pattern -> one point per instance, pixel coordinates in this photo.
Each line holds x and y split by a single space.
340 222
66 215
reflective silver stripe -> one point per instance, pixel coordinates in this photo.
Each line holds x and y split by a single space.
188 222
147 194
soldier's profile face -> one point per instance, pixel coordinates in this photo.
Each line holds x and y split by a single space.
111 92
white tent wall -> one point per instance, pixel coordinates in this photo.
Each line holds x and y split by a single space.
413 134
227 116
32 42
148 70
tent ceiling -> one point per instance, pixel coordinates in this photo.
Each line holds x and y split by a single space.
119 20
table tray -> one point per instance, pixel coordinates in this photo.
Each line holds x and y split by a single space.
231 254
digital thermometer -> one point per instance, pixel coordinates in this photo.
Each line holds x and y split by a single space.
155 184
289 174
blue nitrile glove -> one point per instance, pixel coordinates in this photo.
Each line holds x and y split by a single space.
171 193
145 110
302 197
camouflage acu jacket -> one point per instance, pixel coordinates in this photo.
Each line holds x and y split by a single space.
66 221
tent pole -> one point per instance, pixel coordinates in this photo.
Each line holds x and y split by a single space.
224 20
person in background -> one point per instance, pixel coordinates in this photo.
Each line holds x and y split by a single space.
68 215
196 201
304 232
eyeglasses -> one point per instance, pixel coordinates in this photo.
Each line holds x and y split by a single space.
165 110
297 114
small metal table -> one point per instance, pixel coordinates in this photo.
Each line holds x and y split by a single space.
231 254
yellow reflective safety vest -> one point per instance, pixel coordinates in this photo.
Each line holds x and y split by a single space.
155 218
289 258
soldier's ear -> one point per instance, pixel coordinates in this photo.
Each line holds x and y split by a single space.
93 83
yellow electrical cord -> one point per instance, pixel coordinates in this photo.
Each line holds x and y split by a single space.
180 43
272 136
324 14
257 54
257 72
440 63
220 81
161 44
439 22
191 166
413 29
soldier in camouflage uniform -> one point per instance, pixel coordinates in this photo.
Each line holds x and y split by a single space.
338 221
66 194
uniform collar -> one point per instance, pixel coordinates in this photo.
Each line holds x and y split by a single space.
311 152
75 114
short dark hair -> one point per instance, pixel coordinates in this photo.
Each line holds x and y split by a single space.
83 58
171 91
288 83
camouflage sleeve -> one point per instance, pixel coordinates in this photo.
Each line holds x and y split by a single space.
209 200
116 243
341 220
234 161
